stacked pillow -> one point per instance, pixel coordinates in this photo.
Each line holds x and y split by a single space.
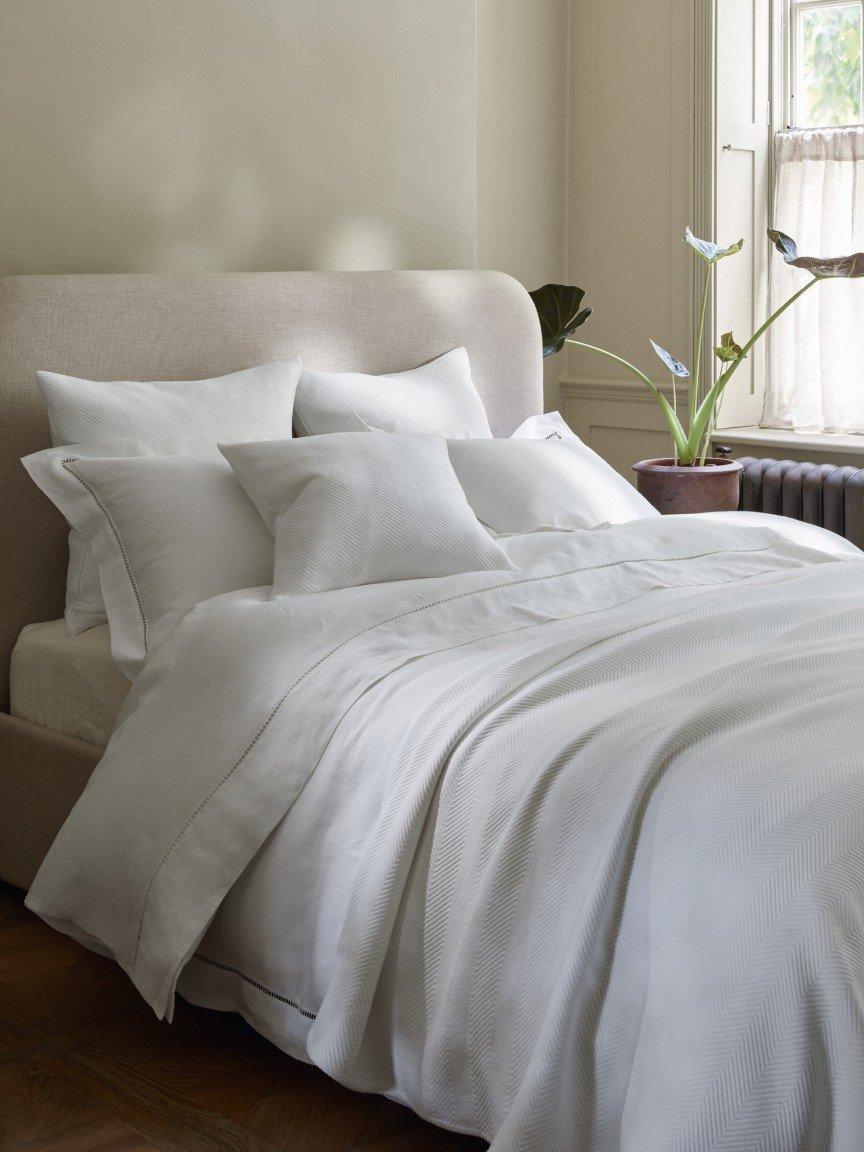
160 524
117 468
394 477
543 478
165 531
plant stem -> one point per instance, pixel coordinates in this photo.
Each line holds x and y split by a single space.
774 316
709 430
679 436
700 428
675 406
697 365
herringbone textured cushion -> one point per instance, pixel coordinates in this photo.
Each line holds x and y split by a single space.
362 508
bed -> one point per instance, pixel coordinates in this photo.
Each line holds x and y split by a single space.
110 327
564 853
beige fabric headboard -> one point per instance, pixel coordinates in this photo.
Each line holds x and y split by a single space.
191 327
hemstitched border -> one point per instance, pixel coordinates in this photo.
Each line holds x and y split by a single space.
254 984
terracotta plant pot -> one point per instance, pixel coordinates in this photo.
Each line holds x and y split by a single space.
675 489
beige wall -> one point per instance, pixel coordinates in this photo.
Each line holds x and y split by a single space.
178 135
629 201
522 59
183 135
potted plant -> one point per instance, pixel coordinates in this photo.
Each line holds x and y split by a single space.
689 480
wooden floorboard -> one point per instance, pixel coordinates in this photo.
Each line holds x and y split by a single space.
86 1067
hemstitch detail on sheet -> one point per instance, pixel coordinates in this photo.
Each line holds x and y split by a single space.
254 984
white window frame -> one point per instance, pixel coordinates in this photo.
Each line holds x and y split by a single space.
791 48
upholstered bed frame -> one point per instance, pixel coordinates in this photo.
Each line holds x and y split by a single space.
191 327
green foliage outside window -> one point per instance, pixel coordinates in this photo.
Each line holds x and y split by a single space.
830 41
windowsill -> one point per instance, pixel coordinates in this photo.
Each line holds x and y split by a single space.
773 439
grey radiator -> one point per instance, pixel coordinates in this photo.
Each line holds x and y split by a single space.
820 494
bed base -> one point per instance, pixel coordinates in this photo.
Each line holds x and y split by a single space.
42 774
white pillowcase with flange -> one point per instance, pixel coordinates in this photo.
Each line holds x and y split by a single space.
545 426
532 485
254 403
438 398
166 531
362 508
85 607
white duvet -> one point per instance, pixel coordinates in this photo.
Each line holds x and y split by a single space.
571 858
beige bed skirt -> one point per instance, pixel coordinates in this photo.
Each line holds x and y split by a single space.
42 774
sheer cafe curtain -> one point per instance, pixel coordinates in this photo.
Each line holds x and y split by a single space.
815 351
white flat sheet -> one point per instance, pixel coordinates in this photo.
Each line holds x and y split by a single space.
67 683
570 858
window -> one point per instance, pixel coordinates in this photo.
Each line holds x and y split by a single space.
824 65
814 380
807 375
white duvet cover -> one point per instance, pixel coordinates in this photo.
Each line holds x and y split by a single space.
570 857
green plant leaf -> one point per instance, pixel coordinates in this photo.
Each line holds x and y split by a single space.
709 251
672 362
559 307
675 426
727 350
823 268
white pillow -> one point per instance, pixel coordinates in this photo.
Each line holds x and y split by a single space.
545 426
255 403
85 607
362 508
438 398
166 532
525 485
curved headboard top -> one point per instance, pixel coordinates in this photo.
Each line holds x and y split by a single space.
136 327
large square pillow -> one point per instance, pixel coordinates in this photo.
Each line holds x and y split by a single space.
166 532
362 508
255 403
438 398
